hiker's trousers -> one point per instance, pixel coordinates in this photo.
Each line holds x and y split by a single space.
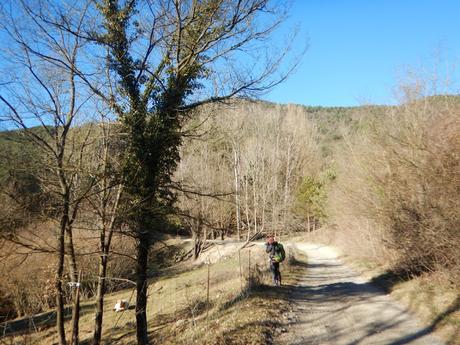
275 268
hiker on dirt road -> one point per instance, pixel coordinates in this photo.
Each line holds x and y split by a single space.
276 255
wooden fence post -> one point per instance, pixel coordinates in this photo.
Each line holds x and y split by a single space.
249 269
207 291
241 270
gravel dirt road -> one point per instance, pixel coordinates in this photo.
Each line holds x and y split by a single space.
334 305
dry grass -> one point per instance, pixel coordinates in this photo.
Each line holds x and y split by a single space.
397 190
28 278
436 301
238 311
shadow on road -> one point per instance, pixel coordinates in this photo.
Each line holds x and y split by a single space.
333 306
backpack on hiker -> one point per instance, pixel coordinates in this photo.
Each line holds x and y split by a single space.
280 253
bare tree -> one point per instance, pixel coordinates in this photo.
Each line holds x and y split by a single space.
178 49
276 148
44 92
205 198
104 203
152 63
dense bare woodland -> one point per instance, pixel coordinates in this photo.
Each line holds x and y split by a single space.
385 178
253 157
134 137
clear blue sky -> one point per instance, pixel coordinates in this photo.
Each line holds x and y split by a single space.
358 48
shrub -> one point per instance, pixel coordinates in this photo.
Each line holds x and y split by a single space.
402 176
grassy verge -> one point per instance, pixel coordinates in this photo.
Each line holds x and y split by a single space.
241 309
434 299
431 296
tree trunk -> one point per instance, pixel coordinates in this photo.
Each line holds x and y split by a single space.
286 186
100 299
237 201
197 244
104 247
254 201
246 199
76 312
59 275
197 238
141 289
70 251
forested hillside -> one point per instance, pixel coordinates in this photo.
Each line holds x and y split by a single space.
383 180
385 177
